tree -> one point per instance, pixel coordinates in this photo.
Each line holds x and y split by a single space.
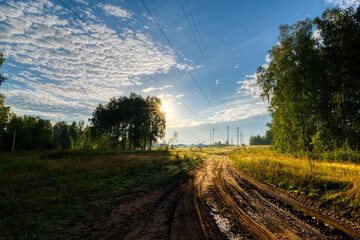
312 84
128 122
340 55
2 77
4 115
264 140
157 120
61 135
4 110
171 140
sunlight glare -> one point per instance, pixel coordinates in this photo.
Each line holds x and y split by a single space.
164 107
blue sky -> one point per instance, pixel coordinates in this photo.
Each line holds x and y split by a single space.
63 57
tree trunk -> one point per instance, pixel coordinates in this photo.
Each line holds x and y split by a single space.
303 132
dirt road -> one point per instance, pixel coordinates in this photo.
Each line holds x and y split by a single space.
215 201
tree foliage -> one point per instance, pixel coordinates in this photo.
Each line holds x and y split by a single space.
264 140
313 83
2 60
128 122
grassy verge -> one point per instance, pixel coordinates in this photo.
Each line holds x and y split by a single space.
42 196
333 185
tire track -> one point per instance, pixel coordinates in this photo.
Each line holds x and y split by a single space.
214 201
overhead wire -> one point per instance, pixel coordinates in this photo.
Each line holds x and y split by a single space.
157 81
202 44
201 51
176 53
152 78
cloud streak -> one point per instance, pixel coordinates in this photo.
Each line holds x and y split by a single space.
151 89
116 11
73 64
344 3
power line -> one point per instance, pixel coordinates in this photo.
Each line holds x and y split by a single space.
166 89
170 80
176 53
152 78
202 43
212 73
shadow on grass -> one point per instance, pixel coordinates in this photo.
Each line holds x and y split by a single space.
43 196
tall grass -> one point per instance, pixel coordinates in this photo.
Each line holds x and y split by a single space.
43 197
331 184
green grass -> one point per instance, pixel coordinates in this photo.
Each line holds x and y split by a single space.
42 195
332 184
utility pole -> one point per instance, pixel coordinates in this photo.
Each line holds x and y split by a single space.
227 142
237 134
214 136
149 124
241 138
13 145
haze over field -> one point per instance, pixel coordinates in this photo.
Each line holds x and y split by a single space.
199 57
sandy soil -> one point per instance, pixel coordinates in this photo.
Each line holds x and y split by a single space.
215 201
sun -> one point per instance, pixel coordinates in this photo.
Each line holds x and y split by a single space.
164 107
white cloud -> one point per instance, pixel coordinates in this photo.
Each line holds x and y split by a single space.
183 66
151 89
344 3
238 108
239 112
316 34
72 61
116 11
178 29
267 58
237 66
217 82
162 96
249 86
47 105
179 96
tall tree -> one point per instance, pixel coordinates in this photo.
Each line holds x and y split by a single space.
128 122
61 135
4 110
2 60
340 54
287 85
312 83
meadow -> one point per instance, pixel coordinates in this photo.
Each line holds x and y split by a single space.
42 195
334 185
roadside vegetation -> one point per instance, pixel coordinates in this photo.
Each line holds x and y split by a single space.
312 85
44 194
334 185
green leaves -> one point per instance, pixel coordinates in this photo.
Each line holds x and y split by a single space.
128 122
313 82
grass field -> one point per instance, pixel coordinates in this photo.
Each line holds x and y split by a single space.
332 185
43 194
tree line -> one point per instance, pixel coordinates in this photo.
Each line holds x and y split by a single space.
127 123
130 123
313 83
264 140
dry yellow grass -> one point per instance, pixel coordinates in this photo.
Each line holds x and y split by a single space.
335 185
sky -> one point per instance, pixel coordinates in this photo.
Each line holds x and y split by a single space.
64 57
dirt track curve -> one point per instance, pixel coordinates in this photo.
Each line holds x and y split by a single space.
215 202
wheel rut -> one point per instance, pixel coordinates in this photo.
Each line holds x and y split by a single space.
213 201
